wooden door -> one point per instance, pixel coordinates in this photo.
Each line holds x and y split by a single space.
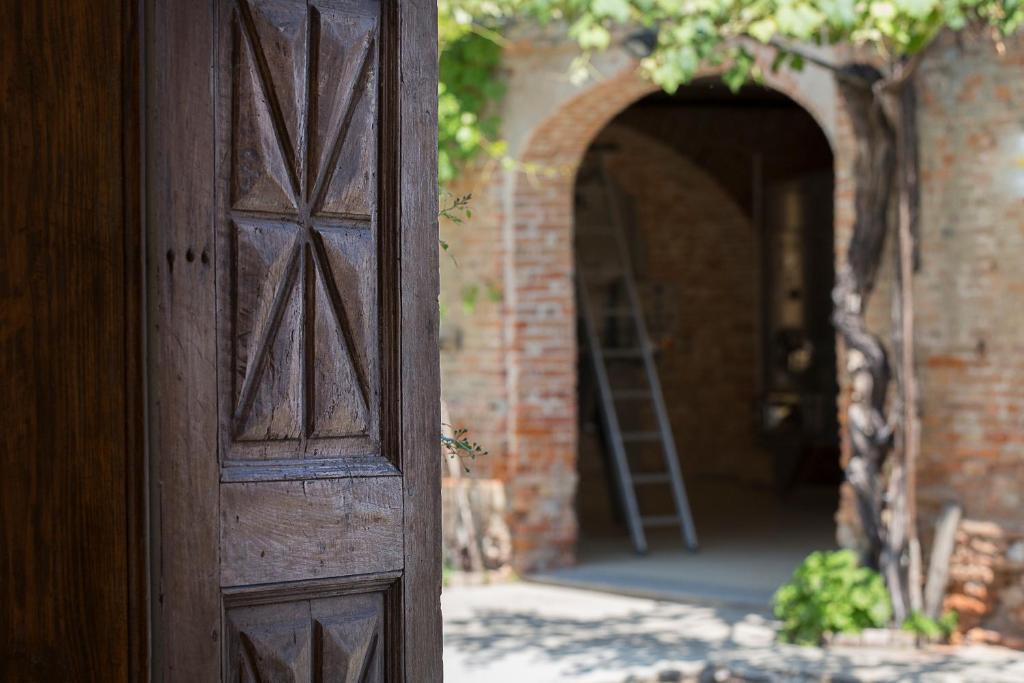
293 352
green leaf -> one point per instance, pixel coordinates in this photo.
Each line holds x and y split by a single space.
916 9
763 30
839 13
882 10
830 593
799 20
613 9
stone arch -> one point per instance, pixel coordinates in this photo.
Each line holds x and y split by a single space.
559 139
539 302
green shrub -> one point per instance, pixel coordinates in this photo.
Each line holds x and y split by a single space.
831 593
932 629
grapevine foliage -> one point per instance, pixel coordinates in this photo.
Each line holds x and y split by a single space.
681 37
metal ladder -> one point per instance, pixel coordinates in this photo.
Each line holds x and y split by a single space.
620 275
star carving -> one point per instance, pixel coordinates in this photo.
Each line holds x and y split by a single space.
301 195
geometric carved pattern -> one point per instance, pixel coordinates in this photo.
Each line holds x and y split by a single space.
307 641
301 222
276 654
347 647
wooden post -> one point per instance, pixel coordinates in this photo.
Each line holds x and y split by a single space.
938 565
904 115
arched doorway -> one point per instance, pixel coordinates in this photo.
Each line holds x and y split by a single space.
525 409
727 209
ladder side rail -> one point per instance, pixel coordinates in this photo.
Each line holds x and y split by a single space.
612 429
661 412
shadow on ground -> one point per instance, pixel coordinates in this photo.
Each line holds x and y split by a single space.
539 633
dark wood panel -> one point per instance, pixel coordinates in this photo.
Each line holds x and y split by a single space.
338 639
416 197
296 530
70 494
182 344
297 248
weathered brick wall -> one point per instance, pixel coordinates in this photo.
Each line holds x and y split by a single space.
970 291
987 583
542 335
473 353
970 303
970 328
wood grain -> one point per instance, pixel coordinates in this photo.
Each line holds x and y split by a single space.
182 345
298 530
420 406
336 638
297 238
69 297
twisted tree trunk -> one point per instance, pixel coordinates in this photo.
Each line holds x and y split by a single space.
866 359
883 112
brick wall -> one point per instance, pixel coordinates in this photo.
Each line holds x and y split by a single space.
971 322
542 327
473 352
970 292
987 583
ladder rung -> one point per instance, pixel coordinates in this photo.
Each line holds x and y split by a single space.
623 353
641 436
602 263
652 478
631 394
660 520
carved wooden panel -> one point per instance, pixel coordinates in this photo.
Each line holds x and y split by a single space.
297 252
337 639
296 530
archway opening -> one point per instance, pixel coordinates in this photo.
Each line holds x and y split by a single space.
721 206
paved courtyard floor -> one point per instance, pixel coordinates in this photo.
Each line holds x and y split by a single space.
530 633
739 527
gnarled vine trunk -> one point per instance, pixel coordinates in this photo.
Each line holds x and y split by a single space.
883 114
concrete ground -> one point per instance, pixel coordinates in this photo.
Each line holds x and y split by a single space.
750 543
530 633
